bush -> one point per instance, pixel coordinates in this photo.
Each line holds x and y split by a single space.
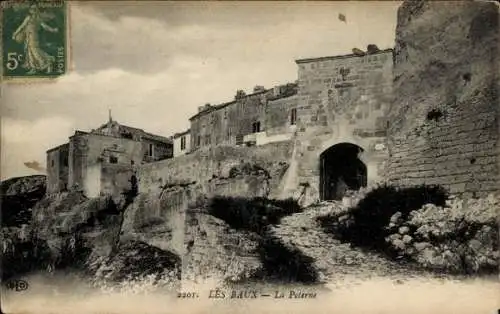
365 224
282 264
461 237
251 214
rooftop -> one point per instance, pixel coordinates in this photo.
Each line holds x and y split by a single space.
351 55
125 129
176 135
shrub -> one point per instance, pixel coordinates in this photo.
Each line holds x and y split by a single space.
461 237
365 224
251 214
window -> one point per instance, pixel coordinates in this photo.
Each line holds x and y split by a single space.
207 140
65 161
344 72
150 150
198 140
52 163
239 139
127 135
256 127
113 159
293 116
183 143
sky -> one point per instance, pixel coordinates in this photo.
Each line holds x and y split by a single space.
153 63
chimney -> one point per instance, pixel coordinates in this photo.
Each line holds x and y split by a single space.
276 91
358 52
259 88
239 94
372 49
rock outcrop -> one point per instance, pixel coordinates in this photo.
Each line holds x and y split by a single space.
18 196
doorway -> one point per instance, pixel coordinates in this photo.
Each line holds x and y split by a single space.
341 170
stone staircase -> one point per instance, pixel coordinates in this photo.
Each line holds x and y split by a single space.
333 260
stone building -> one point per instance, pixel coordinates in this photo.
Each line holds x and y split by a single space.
341 122
237 122
182 143
335 116
103 161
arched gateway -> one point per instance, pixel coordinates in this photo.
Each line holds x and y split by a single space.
340 170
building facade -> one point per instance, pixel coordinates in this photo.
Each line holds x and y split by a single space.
103 161
334 115
341 121
229 123
182 143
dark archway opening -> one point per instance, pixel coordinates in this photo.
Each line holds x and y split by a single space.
341 170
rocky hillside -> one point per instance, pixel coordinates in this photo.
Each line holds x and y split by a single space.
18 196
69 232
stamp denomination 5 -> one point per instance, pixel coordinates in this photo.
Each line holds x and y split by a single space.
34 39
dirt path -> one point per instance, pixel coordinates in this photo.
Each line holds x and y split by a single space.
334 260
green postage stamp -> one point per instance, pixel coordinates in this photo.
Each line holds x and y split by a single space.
34 39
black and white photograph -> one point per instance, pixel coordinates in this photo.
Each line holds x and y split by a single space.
250 157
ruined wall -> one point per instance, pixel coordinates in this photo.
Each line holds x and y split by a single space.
444 119
341 99
57 169
204 165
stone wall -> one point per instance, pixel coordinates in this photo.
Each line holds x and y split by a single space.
341 99
115 179
221 126
57 169
206 164
278 113
88 151
445 117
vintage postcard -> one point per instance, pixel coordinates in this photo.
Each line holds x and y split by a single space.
250 157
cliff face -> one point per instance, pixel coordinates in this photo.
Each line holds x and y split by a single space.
444 119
